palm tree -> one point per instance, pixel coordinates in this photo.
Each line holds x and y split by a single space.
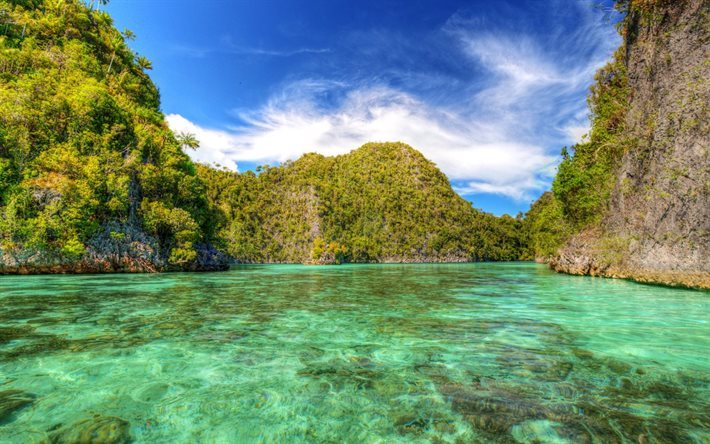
93 3
144 63
127 34
115 44
187 140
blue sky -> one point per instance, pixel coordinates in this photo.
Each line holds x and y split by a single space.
488 90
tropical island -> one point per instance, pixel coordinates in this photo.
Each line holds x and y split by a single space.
472 342
93 180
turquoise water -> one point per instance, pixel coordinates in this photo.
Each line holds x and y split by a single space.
356 353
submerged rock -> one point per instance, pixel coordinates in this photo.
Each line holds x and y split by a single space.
360 371
535 431
12 401
8 334
151 393
97 430
497 424
582 353
558 371
493 412
618 367
419 424
412 424
40 344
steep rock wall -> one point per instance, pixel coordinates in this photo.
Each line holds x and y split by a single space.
657 226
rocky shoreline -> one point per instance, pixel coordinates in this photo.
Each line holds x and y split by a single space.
28 262
594 253
209 259
93 263
116 249
585 266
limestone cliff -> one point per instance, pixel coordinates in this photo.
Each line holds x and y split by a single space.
656 227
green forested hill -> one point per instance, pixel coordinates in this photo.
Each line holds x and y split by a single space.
383 202
90 175
93 180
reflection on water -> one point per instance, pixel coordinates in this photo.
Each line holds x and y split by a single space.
361 353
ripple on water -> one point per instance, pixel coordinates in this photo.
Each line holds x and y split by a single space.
412 353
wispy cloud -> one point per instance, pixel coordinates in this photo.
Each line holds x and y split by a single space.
496 128
287 127
281 53
231 49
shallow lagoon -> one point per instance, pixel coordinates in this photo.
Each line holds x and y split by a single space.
357 353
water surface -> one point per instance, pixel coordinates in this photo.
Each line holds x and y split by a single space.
357 353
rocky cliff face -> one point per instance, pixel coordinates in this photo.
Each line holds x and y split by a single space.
657 226
116 248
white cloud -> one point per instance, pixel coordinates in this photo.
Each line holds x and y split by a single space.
214 144
502 137
576 133
229 48
463 150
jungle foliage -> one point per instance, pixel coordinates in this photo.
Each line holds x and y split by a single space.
84 149
586 176
82 139
381 202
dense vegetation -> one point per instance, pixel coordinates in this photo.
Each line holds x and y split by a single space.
585 177
83 143
88 163
381 202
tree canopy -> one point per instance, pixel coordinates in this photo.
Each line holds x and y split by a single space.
82 139
381 202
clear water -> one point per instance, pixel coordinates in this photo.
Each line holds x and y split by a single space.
357 353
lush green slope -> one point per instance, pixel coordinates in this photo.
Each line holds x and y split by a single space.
632 199
581 188
88 166
92 179
383 202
